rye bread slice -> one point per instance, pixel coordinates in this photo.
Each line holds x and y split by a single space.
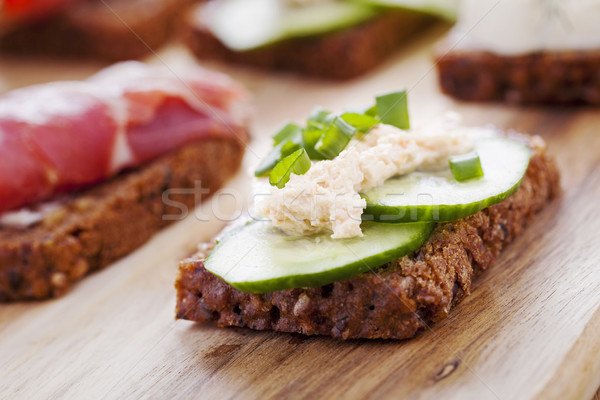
95 227
343 54
547 77
396 300
111 30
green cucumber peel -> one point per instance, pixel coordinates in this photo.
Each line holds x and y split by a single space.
258 258
445 9
243 25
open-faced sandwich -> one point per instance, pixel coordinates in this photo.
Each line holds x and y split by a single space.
107 29
336 39
86 167
370 229
524 51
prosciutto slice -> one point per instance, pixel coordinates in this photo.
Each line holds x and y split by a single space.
65 136
16 11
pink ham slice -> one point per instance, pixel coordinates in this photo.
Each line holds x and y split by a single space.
16 12
193 108
23 175
52 139
66 136
147 140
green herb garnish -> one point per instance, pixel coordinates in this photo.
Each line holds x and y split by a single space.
335 139
289 131
287 140
466 166
327 134
298 163
362 123
319 118
392 109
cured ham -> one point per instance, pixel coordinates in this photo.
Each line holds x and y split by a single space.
65 136
12 11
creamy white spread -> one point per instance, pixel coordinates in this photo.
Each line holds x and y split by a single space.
522 26
327 199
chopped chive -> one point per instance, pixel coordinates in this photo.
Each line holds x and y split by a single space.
288 148
343 126
326 134
297 163
289 131
466 166
393 109
319 118
371 111
267 163
287 140
310 138
361 122
335 139
277 153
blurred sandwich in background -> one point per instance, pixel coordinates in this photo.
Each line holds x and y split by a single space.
103 29
333 39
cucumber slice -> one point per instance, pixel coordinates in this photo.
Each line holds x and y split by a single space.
438 196
244 25
446 9
259 258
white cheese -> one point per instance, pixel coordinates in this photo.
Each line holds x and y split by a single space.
327 197
514 27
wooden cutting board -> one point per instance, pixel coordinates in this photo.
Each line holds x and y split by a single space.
529 330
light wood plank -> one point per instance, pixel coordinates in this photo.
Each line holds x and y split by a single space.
529 330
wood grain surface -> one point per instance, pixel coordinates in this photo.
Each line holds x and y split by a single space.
528 331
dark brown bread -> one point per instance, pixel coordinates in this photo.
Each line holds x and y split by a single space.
93 228
559 77
110 29
344 54
398 299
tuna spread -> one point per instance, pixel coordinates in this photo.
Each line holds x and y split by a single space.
327 197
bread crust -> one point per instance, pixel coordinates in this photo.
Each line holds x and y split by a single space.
393 302
344 54
552 77
100 225
113 30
